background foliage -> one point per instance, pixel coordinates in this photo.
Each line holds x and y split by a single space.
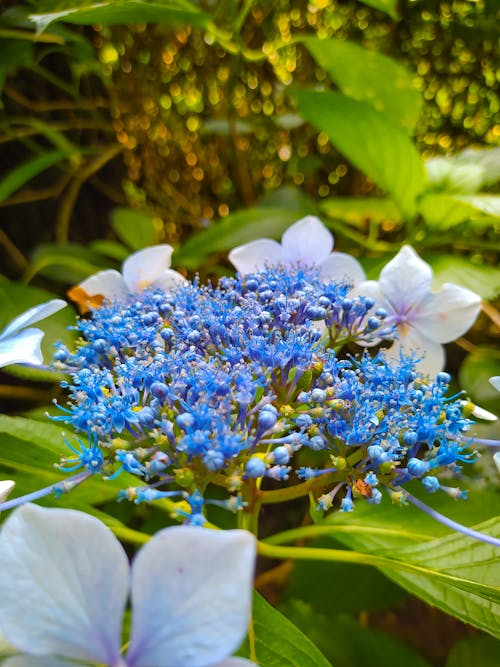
207 124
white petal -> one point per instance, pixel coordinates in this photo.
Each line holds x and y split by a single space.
412 341
108 284
371 288
144 266
340 266
36 661
495 382
22 348
481 413
405 280
6 486
66 576
496 458
191 597
32 315
447 314
256 255
307 241
168 280
236 662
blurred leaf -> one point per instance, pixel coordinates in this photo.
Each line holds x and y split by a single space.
407 534
18 176
135 228
67 263
222 127
278 643
482 651
28 452
346 643
266 220
477 368
480 278
370 141
111 12
111 249
442 211
359 210
356 589
15 298
388 6
13 53
369 76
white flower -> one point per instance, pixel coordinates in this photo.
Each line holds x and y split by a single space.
149 267
424 319
495 382
307 242
6 487
19 345
65 580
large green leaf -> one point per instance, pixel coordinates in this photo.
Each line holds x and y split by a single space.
110 12
15 298
345 642
442 211
405 534
278 643
66 263
370 76
477 368
370 141
135 228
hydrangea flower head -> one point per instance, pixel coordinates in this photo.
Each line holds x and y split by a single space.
306 243
19 342
425 319
190 593
149 267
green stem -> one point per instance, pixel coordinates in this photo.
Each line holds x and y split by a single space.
297 491
311 532
10 33
358 558
129 535
241 18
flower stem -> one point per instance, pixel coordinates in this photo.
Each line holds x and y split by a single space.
59 487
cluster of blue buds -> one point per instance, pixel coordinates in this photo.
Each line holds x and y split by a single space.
224 385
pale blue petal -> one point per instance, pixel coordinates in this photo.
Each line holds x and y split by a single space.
256 255
66 576
236 662
191 597
22 348
32 315
35 661
307 242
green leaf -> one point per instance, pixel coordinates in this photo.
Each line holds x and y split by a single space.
370 141
13 53
358 210
111 249
28 451
15 298
236 229
369 76
482 651
388 6
408 535
89 12
278 643
480 278
345 642
356 589
135 228
67 263
18 176
443 211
